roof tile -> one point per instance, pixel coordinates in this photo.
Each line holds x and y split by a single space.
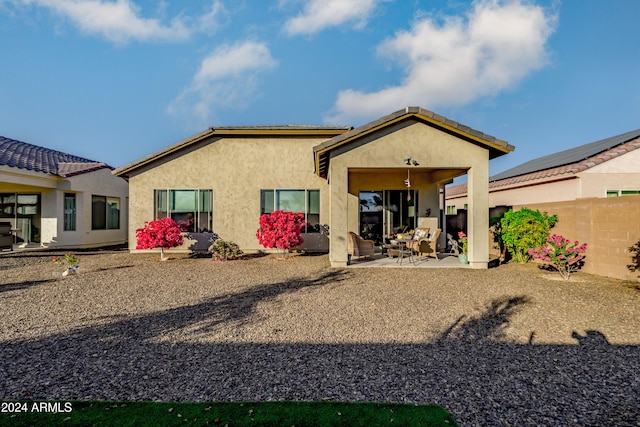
27 156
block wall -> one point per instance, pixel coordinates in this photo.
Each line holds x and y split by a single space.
609 226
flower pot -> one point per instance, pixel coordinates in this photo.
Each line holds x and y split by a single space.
463 258
69 271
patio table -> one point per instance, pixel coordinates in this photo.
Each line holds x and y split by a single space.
400 248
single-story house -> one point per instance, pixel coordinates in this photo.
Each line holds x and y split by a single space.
373 180
58 200
606 168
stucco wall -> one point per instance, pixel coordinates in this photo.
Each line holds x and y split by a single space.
236 169
608 226
619 173
98 183
436 151
52 188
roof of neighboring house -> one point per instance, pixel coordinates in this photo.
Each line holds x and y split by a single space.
569 157
31 157
563 164
231 131
497 147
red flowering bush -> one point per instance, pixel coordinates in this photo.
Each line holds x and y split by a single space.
162 233
561 254
281 230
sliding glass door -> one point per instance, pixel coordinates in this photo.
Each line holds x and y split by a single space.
23 212
386 213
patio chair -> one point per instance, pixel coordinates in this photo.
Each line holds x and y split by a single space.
428 246
360 247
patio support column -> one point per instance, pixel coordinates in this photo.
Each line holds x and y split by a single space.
478 215
338 212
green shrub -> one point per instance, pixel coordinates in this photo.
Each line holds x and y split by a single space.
525 229
222 250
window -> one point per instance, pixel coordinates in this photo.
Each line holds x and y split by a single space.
305 201
451 210
192 210
618 193
105 213
69 212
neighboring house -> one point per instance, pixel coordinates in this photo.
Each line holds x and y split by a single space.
349 179
605 168
58 200
594 189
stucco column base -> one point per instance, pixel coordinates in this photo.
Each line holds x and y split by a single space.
479 265
339 264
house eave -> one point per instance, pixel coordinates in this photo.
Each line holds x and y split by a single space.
232 132
496 147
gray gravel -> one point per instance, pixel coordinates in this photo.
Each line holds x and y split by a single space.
507 346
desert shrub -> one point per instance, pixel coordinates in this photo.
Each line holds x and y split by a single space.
561 254
525 229
223 250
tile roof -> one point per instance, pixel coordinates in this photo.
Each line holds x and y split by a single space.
31 157
581 158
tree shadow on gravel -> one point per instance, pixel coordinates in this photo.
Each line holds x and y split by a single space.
16 286
489 324
470 370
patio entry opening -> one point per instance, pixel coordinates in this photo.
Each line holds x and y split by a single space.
387 212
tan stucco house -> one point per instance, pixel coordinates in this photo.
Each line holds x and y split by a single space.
53 199
348 179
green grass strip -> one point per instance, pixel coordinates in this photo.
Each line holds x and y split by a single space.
142 414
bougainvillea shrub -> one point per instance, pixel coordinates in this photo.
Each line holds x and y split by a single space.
162 233
561 254
281 230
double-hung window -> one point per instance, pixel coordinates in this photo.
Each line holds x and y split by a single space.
305 201
191 209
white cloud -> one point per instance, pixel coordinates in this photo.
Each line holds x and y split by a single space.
320 14
228 78
454 63
120 21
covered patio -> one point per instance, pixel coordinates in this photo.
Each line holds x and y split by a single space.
401 162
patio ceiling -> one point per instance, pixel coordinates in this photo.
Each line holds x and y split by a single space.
434 174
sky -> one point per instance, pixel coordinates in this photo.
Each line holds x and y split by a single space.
114 81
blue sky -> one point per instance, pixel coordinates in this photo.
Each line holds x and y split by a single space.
116 80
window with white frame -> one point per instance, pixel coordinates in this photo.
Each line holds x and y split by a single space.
191 209
618 193
305 201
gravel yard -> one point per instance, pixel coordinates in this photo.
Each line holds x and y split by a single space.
511 345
